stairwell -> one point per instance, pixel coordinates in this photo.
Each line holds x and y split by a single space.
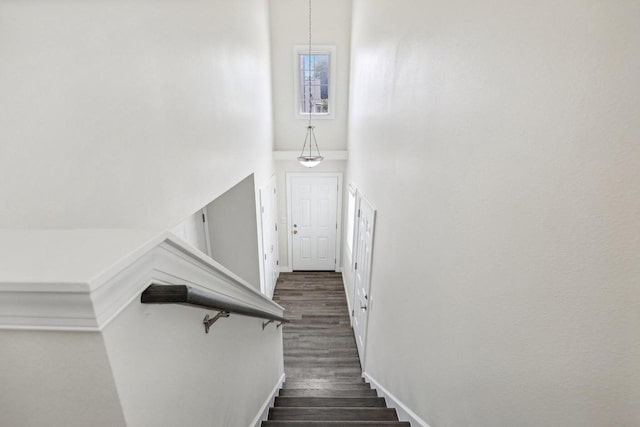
324 385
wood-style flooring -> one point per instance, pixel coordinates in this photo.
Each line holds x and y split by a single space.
324 385
319 342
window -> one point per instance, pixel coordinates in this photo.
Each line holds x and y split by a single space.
314 83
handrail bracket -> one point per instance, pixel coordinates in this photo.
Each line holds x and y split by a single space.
210 321
264 324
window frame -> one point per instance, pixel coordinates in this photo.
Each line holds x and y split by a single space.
315 49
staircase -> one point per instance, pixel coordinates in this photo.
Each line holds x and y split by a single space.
324 386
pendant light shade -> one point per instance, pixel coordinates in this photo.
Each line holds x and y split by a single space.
309 162
308 158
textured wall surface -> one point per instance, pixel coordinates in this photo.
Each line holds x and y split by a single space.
43 384
502 155
130 114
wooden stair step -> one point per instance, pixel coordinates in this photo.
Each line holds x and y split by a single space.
325 402
356 379
291 423
337 372
327 361
303 392
333 414
338 386
314 352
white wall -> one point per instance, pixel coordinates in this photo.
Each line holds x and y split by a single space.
502 156
153 365
130 114
168 372
331 25
44 384
233 231
78 348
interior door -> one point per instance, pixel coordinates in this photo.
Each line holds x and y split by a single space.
269 213
362 272
314 201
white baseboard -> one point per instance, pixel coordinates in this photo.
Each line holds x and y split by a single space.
263 412
404 413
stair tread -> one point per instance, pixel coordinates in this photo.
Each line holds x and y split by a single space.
329 387
344 402
333 414
345 380
293 423
326 392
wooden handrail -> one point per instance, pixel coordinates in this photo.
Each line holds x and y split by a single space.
183 294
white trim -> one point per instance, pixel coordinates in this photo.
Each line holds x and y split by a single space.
92 305
207 234
288 176
285 269
265 191
261 253
404 412
351 190
259 220
302 49
263 412
359 199
328 155
346 293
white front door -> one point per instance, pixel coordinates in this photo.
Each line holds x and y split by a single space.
269 216
314 202
362 272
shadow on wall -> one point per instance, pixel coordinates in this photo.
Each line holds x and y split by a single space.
226 230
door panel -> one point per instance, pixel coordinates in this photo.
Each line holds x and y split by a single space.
314 201
268 208
305 248
305 221
363 253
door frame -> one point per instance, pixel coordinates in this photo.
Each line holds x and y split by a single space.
288 177
359 199
207 235
270 184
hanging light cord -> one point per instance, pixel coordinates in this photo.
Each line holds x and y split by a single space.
310 139
309 71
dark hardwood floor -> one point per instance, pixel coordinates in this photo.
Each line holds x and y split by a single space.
319 342
324 385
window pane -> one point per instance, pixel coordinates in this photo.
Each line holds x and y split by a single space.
314 83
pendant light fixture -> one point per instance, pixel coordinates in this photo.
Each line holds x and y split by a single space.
308 159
